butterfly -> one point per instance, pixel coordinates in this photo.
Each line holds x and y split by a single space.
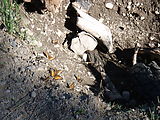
54 73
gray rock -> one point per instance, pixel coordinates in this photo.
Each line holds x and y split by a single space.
33 94
13 43
85 5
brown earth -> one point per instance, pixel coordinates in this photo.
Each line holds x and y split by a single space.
25 94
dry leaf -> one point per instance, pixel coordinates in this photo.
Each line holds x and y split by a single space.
58 77
54 73
71 86
48 56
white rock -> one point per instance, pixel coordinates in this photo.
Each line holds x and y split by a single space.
142 18
129 3
151 37
123 14
109 5
83 42
8 91
129 7
157 13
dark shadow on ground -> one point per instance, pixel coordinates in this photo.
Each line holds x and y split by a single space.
142 88
33 6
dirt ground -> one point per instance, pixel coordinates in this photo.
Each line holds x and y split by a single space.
27 92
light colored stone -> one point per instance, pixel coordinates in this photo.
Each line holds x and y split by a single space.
157 12
33 94
151 37
8 91
83 42
84 5
109 5
142 18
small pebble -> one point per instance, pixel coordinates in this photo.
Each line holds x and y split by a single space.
109 5
142 18
151 38
123 14
157 13
33 94
129 6
8 91
13 43
108 107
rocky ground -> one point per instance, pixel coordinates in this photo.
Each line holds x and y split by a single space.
29 92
